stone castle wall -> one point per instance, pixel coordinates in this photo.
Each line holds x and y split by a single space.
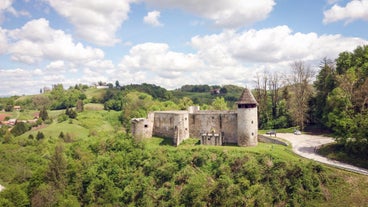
142 127
221 122
171 124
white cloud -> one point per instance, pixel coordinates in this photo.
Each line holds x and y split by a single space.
6 7
37 41
354 10
3 41
224 13
152 18
157 57
18 81
59 65
229 57
272 45
94 20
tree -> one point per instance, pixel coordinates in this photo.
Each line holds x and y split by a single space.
40 135
71 113
348 101
79 106
219 104
40 101
19 129
261 96
5 135
184 103
300 80
16 196
43 114
274 85
324 84
117 84
56 174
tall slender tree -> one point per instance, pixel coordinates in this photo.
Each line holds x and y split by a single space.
324 84
300 80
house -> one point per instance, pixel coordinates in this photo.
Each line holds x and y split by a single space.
12 122
3 118
17 108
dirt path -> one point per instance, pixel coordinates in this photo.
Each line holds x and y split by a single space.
306 145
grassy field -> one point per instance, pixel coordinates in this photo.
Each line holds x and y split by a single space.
93 107
336 152
87 124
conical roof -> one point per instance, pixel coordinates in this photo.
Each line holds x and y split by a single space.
247 98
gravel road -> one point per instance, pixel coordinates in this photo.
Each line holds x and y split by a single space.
306 145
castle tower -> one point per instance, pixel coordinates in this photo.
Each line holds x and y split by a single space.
247 119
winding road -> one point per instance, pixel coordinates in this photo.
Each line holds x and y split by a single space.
306 145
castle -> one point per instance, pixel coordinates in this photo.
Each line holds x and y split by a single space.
238 126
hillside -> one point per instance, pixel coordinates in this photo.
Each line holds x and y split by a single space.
95 163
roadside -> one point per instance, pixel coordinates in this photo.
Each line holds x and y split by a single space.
306 145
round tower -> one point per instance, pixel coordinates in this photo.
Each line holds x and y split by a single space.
247 119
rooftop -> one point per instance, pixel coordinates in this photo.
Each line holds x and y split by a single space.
247 98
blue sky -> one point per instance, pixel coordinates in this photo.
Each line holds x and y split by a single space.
169 42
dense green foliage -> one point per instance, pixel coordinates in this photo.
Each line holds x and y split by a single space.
118 172
341 102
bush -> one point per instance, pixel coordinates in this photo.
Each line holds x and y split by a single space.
48 121
40 135
62 118
20 128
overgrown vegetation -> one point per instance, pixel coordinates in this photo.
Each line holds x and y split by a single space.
117 171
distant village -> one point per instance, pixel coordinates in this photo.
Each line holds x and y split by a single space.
5 118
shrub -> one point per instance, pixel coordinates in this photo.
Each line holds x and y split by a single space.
62 118
40 135
20 128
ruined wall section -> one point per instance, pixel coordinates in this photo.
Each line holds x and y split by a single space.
142 127
171 124
222 122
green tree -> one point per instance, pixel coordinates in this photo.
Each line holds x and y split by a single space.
324 84
117 84
16 196
219 104
184 103
56 173
40 101
40 135
79 106
19 129
71 113
43 114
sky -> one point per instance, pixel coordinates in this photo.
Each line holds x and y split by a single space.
169 43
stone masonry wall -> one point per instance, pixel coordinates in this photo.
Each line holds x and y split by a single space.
171 125
224 122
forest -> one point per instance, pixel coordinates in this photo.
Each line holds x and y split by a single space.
78 151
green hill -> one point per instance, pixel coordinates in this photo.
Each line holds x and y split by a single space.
101 166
